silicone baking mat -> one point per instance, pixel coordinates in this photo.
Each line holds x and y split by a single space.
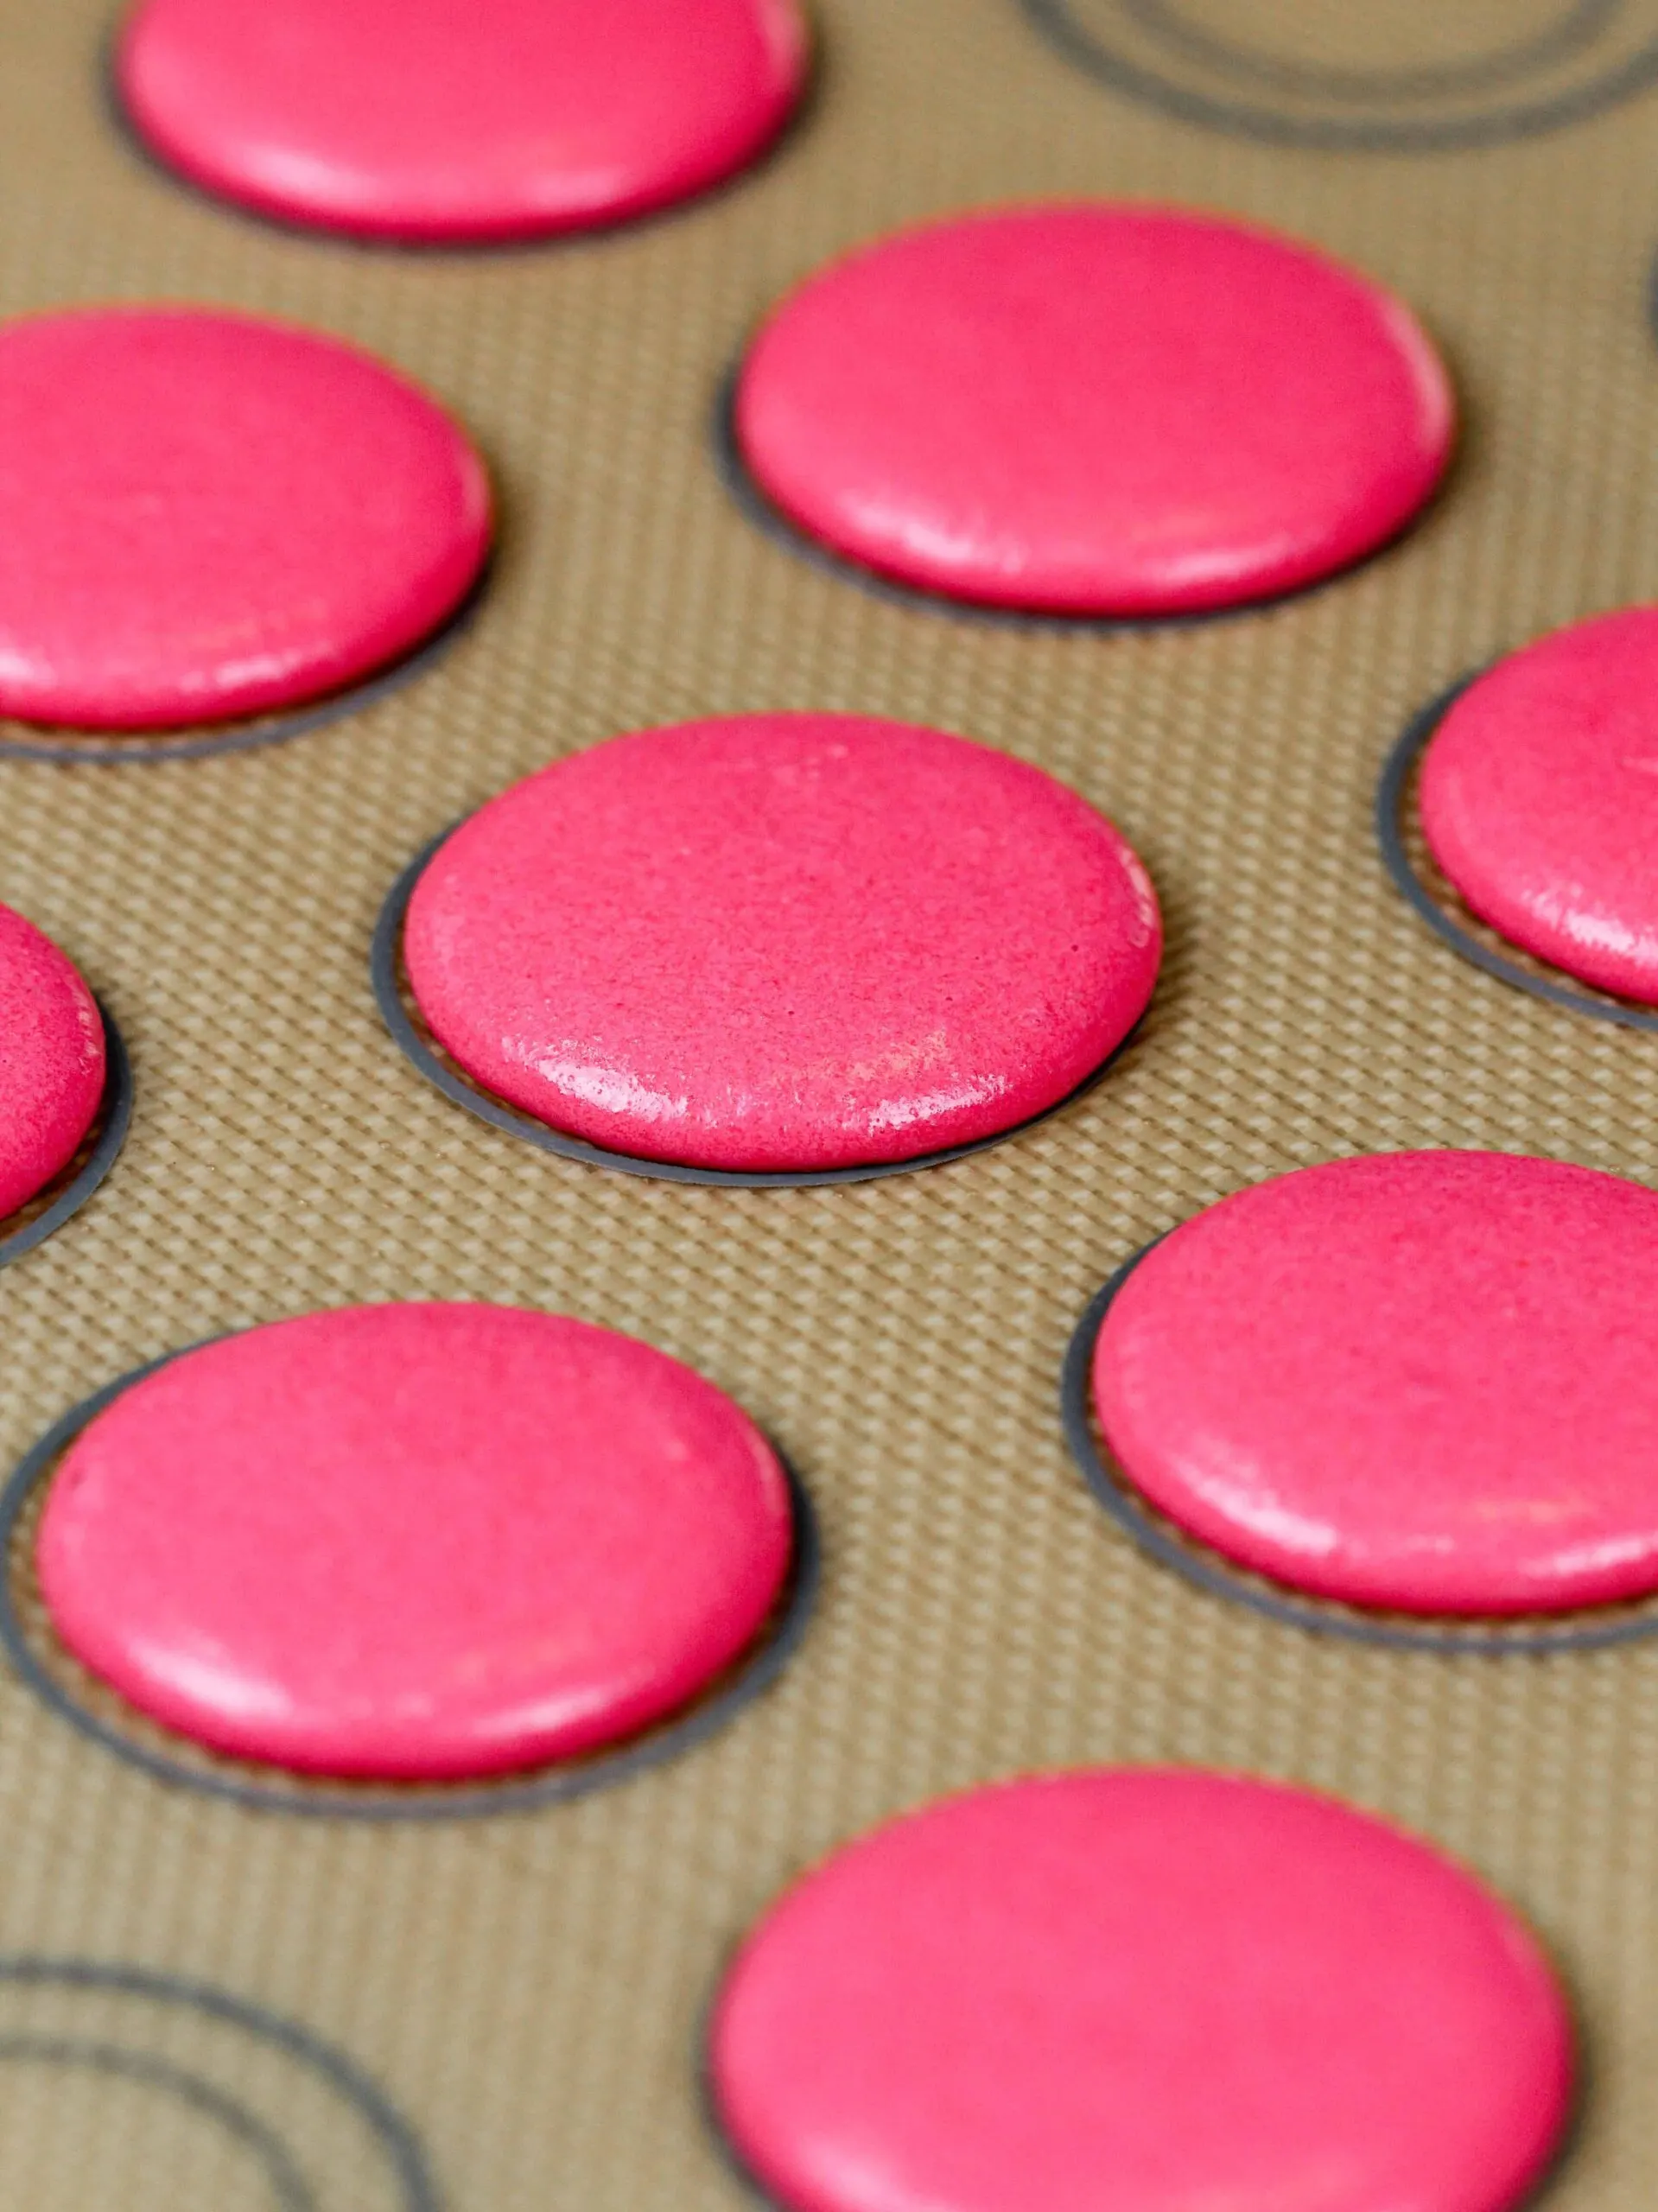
523 1992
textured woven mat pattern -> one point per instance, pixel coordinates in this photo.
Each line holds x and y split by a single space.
528 1989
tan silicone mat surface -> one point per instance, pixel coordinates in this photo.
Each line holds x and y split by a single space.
527 1989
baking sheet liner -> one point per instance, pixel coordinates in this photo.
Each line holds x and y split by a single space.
1584 57
526 1989
87 2016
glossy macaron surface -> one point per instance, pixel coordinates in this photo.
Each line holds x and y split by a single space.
1095 409
416 1540
1539 799
1141 1988
426 121
53 1061
785 942
203 515
1422 1380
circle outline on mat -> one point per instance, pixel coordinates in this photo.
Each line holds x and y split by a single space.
386 950
755 503
115 1110
289 2186
1209 1571
1390 800
752 1672
1577 26
1055 22
146 748
417 2186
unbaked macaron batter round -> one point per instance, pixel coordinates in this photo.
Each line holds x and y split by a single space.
416 1540
1424 1381
783 943
1539 798
1096 408
53 1061
203 515
426 120
1146 1988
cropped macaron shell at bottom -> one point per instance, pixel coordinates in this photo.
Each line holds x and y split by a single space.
1144 1988
784 942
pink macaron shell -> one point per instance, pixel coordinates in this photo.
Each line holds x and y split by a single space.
432 120
785 943
204 515
1141 1988
52 1061
1096 408
1425 1381
416 1540
1539 798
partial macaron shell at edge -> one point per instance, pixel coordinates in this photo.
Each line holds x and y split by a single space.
1539 800
205 516
53 1061
1206 1989
502 119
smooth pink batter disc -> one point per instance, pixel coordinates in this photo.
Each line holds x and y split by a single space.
203 515
783 943
52 1061
1096 410
1427 1380
418 1541
1539 798
1157 1990
460 120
